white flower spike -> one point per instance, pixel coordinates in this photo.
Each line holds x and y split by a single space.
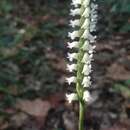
81 56
87 22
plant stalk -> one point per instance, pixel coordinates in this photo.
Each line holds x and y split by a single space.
81 115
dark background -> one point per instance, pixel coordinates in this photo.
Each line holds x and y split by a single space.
33 36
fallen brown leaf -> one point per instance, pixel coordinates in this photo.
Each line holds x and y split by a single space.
56 99
104 47
118 72
122 125
4 126
37 108
18 119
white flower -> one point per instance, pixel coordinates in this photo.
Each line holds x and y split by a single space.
71 97
75 12
71 67
88 36
88 47
73 34
86 3
87 58
74 23
22 31
72 56
85 45
74 44
91 49
91 38
94 6
85 34
71 80
87 69
86 13
85 24
92 27
87 97
86 81
76 2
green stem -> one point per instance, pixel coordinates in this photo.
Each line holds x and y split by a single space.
81 115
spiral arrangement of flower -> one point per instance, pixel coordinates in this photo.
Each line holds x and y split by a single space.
84 13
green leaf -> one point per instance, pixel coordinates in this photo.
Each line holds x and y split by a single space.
6 41
127 82
4 89
125 28
125 91
125 6
5 6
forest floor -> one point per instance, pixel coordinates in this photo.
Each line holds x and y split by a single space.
34 72
111 110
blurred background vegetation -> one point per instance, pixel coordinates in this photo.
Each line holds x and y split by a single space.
32 49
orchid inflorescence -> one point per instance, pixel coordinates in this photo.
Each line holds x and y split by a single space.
81 48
